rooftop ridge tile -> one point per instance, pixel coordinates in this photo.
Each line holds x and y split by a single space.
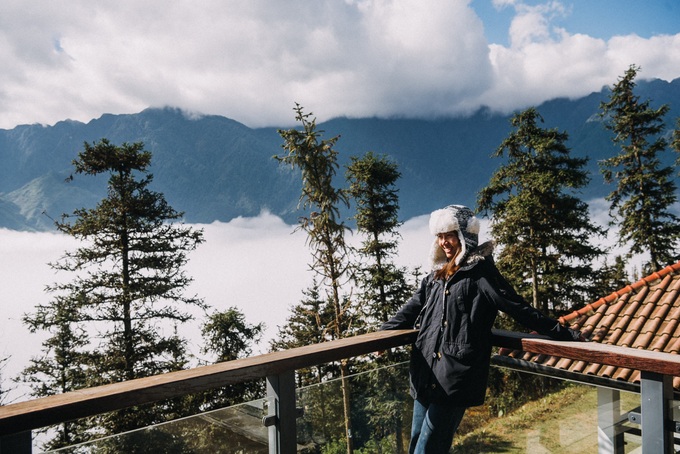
635 377
593 369
579 366
622 374
657 275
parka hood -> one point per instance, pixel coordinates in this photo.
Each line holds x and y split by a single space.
453 218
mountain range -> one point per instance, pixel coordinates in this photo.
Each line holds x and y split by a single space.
214 168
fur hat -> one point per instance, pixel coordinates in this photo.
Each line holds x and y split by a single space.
453 218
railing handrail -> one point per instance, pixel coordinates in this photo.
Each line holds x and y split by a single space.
45 411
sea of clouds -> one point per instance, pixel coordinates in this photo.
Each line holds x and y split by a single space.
259 265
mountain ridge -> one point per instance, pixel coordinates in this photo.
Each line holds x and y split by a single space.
216 169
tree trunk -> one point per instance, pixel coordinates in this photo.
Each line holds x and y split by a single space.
534 284
346 406
343 364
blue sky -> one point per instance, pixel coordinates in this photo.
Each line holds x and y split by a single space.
597 18
252 60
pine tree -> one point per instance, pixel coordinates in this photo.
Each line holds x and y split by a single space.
317 160
382 285
645 189
372 187
228 336
128 286
544 230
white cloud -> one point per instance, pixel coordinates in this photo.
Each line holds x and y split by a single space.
545 62
252 60
658 57
532 23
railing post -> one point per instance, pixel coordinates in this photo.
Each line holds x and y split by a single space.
281 395
656 393
19 443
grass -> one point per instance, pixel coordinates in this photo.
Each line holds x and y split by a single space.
562 422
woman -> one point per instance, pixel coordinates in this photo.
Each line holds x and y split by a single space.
454 309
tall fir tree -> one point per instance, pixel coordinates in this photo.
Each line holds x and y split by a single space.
544 233
382 284
127 293
228 336
645 189
383 287
317 161
543 229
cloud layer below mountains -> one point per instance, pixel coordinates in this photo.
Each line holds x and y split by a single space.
252 60
258 265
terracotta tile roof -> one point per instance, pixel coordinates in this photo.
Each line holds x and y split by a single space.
643 315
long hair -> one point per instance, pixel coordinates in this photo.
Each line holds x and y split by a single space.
450 268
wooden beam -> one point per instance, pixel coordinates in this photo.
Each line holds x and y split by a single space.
55 409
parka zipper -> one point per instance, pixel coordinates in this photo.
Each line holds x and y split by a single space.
443 322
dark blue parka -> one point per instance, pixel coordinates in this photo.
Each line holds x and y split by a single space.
451 355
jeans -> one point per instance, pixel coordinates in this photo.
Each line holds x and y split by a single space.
433 426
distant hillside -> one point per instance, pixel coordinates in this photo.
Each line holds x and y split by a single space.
214 168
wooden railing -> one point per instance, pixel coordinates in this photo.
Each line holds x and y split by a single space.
17 420
55 409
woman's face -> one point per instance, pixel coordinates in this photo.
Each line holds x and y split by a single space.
449 243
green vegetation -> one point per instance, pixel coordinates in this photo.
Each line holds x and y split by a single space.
128 277
227 336
317 160
543 229
127 280
644 188
382 287
377 287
